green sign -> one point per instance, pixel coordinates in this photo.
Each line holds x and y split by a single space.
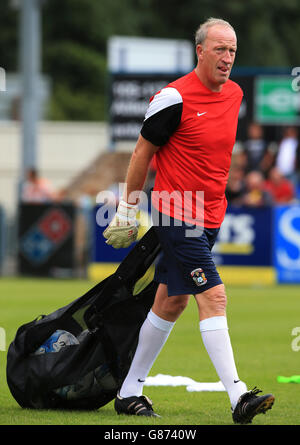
275 101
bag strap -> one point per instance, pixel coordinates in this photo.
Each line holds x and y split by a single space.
139 259
131 269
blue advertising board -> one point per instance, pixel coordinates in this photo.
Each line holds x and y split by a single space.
287 243
266 237
245 237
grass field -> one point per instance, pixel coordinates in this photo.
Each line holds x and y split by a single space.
261 322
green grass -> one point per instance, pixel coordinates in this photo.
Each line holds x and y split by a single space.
261 322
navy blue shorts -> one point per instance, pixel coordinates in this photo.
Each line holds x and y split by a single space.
185 264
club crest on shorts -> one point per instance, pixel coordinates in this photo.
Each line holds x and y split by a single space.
199 276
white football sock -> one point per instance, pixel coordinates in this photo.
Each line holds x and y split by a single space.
153 335
216 340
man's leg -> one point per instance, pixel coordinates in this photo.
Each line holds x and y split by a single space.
153 335
214 331
213 326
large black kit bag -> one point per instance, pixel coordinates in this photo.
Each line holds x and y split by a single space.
106 323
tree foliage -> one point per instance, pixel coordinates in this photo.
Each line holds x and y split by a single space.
75 35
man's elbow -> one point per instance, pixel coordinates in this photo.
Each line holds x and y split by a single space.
144 149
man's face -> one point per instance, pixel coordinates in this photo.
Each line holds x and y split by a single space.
216 56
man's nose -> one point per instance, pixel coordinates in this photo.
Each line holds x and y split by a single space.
227 57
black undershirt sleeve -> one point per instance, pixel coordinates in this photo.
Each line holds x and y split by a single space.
159 127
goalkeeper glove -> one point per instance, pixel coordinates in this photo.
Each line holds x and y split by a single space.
122 231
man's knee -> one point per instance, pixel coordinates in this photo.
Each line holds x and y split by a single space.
177 304
212 301
170 308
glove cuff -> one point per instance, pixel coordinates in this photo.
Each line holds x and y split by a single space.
126 204
127 211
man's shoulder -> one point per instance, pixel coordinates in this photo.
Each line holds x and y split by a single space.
233 87
167 94
182 82
166 99
172 92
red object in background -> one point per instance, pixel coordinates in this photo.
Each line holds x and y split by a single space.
282 192
55 225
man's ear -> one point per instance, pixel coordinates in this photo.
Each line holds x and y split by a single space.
199 51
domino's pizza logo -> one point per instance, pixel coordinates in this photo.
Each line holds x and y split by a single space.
46 236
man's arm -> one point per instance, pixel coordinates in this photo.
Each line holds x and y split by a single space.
122 230
161 120
137 170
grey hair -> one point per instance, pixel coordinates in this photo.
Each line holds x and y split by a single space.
201 32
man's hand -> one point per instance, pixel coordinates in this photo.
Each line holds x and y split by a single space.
122 231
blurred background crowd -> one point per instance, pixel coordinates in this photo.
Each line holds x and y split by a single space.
265 173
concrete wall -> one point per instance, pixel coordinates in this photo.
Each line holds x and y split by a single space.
64 150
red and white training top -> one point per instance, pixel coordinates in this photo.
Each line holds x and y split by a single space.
195 129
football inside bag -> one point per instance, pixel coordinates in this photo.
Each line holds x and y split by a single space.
78 356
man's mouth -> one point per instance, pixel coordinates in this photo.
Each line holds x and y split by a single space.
224 69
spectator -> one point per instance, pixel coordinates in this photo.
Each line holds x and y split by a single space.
36 189
239 157
256 150
288 154
281 189
255 195
235 186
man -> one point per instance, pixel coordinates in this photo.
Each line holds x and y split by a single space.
287 159
255 194
256 148
191 127
280 188
36 189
